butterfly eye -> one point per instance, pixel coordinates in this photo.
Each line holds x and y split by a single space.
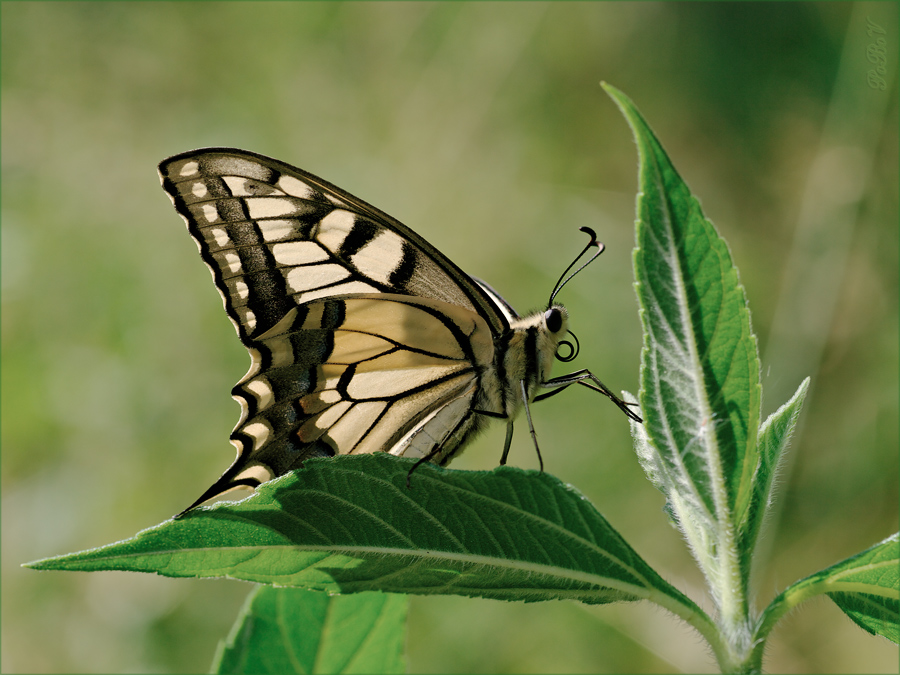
553 319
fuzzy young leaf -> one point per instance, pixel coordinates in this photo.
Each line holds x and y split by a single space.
865 586
700 392
774 437
292 630
349 524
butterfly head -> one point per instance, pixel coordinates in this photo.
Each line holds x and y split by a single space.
555 321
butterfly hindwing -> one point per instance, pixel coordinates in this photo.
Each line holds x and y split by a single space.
362 336
355 373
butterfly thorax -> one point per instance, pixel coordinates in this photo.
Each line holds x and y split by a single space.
524 357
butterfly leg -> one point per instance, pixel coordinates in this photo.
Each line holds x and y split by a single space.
530 425
508 442
591 381
552 392
509 431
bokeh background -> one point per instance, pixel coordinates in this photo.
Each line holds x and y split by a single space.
482 126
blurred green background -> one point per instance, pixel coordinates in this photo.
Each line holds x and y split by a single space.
482 126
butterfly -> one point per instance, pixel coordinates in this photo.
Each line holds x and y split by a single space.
363 337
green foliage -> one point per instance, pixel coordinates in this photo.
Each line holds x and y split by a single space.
700 388
350 524
291 630
702 445
864 586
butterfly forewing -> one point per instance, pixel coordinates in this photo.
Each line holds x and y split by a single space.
362 336
275 236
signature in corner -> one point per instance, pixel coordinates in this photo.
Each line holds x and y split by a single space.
876 53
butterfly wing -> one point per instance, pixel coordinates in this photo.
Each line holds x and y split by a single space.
362 336
275 236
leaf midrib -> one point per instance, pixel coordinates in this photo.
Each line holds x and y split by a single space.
554 571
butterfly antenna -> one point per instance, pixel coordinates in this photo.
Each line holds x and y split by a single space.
563 279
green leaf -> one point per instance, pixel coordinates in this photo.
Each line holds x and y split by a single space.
700 387
349 523
865 586
291 630
874 614
774 437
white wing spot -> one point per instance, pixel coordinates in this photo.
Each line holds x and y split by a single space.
221 237
380 257
334 228
262 391
270 207
273 230
249 320
210 213
233 262
199 190
302 279
189 168
259 432
299 253
241 290
295 187
328 396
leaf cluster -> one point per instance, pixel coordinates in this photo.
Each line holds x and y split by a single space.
350 527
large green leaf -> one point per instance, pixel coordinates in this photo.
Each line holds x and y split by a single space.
865 586
291 630
350 524
700 388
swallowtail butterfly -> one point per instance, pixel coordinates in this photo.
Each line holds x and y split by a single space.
363 337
